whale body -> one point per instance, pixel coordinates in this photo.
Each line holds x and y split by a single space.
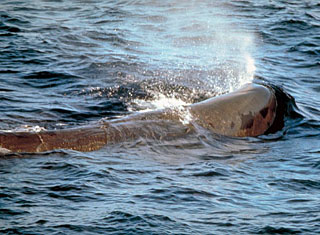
252 110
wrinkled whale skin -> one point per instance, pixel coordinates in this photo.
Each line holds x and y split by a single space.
249 111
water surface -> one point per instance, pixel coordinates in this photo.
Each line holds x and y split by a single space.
69 63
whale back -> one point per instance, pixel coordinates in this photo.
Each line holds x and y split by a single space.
249 111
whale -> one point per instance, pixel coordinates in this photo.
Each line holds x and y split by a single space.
251 111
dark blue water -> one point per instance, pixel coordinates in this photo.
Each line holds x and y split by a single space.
68 63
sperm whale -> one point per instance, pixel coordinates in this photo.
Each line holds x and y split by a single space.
249 111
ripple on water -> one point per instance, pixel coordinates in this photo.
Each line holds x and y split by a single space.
66 63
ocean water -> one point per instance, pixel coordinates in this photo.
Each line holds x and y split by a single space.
69 63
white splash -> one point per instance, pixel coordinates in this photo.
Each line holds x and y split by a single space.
164 102
185 115
26 128
160 102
